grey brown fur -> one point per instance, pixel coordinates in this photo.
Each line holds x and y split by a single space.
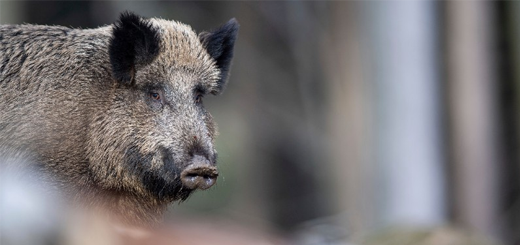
99 131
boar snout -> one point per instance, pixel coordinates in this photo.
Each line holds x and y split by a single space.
199 175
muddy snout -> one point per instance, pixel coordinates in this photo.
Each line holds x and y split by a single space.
199 176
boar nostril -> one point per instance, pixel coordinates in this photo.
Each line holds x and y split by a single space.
199 176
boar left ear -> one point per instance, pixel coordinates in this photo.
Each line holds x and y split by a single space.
134 43
219 44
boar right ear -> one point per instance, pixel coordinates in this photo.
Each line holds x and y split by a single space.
135 42
219 44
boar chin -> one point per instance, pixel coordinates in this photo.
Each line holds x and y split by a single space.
164 188
160 179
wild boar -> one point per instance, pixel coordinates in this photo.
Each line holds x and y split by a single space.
114 115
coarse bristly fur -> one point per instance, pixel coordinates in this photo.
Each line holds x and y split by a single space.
113 114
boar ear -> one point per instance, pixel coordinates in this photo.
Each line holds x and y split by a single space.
219 44
134 43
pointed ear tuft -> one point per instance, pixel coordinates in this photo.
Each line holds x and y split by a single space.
134 43
219 44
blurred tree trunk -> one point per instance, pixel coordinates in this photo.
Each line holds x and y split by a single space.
472 88
349 120
401 42
385 114
509 25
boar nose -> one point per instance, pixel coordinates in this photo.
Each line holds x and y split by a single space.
199 175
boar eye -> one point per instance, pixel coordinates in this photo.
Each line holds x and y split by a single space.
199 92
155 96
198 98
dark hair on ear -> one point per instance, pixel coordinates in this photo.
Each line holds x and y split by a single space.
135 42
219 44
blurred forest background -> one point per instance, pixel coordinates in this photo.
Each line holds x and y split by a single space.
344 119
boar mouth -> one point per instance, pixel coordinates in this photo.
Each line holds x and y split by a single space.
172 180
199 176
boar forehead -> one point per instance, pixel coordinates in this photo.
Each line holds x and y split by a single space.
183 62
